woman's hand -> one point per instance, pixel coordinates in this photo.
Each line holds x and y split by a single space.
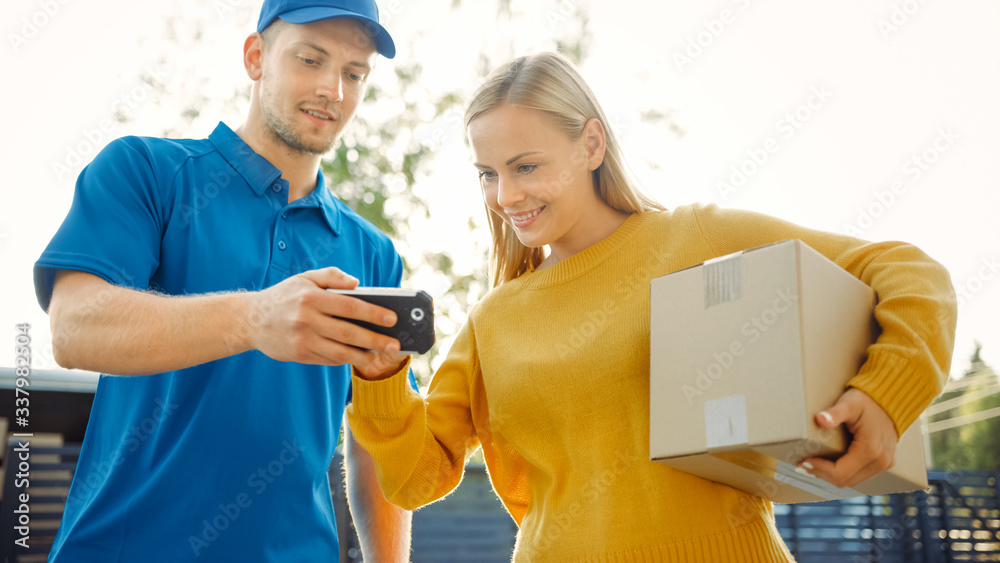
873 448
380 365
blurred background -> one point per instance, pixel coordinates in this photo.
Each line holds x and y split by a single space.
877 119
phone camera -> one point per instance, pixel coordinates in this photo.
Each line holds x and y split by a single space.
417 314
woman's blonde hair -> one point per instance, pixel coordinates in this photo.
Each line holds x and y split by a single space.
550 83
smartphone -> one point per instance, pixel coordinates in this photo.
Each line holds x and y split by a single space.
414 310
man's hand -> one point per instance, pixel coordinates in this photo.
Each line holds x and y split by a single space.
102 327
873 448
293 321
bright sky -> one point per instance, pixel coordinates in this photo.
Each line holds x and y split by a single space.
878 118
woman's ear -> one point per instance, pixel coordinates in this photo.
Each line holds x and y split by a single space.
595 142
253 52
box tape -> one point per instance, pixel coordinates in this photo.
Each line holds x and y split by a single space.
722 279
726 422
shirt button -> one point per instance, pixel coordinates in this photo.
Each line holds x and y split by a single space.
276 187
281 245
284 216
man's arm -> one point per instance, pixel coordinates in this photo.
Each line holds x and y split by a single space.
383 528
102 327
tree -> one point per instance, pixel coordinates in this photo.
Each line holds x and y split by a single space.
374 171
964 422
384 168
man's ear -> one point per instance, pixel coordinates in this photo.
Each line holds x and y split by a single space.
253 54
596 143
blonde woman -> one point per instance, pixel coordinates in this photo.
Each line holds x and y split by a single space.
564 426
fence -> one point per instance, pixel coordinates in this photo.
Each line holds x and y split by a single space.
958 519
470 525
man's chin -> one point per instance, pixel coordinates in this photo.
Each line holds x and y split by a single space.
295 142
310 149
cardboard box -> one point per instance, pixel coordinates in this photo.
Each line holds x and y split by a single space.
744 350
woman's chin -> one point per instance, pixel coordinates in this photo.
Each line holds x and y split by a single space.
529 241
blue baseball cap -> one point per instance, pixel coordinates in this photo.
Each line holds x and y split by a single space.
308 11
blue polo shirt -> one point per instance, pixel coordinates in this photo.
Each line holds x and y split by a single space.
226 461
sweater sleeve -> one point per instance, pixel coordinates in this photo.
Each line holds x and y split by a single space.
420 445
908 365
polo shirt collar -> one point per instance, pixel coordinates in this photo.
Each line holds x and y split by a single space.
331 208
322 198
260 174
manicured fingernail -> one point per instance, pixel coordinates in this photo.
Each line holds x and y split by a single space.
389 319
826 416
392 348
807 465
801 471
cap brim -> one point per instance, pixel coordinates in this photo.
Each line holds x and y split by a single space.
383 41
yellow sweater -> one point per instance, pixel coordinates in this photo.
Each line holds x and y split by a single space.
564 426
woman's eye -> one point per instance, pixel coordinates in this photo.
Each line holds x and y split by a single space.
486 175
527 168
